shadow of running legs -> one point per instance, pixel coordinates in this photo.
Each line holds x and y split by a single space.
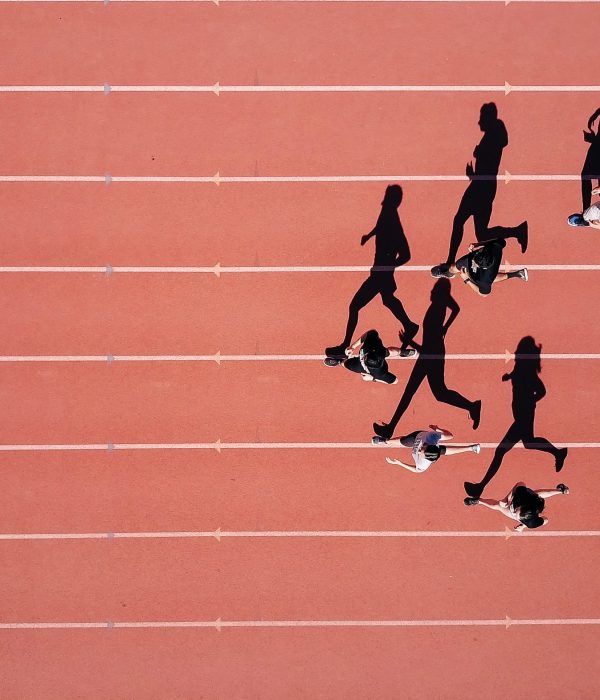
391 251
431 363
528 389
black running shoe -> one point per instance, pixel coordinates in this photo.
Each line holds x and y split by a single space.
332 362
471 501
442 270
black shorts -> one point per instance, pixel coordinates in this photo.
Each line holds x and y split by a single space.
410 439
463 264
382 374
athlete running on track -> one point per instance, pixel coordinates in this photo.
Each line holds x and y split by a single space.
425 447
522 504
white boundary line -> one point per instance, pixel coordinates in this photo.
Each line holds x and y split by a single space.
218 358
250 534
219 2
219 446
220 624
218 269
218 179
217 88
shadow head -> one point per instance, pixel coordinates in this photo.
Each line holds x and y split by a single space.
488 116
392 196
528 354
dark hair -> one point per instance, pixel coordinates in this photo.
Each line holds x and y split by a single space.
483 257
530 505
531 519
434 452
373 360
373 350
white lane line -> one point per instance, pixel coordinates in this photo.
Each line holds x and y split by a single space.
219 2
218 358
252 534
218 269
220 624
218 179
219 446
218 89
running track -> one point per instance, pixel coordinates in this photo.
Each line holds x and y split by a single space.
133 567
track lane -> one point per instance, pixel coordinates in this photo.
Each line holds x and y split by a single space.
269 224
112 44
290 663
122 580
186 490
269 135
122 314
85 404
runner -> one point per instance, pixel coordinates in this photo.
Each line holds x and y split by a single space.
481 267
478 199
425 447
522 504
370 360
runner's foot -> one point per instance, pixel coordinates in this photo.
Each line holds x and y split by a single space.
376 440
577 220
442 270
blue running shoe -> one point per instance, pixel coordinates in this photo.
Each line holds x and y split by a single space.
577 220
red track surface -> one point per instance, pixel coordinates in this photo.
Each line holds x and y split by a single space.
274 224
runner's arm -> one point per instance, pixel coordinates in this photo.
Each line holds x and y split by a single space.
391 460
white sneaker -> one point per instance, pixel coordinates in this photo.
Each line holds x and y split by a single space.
523 274
476 448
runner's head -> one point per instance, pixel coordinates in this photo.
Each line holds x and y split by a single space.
531 520
483 258
529 513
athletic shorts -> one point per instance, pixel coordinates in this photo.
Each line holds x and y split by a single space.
410 439
382 374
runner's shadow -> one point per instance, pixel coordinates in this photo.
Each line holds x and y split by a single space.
478 199
431 362
527 389
591 166
391 251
